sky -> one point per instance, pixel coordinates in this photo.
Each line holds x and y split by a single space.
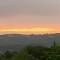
24 15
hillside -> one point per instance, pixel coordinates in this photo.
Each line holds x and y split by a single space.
18 41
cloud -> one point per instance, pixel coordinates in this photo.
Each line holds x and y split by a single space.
34 7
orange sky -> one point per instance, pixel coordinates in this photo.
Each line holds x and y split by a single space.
29 24
29 30
29 16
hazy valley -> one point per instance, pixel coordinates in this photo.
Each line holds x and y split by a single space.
18 41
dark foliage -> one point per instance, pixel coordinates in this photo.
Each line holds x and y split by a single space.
33 53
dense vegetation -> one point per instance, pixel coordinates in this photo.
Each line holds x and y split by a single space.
33 53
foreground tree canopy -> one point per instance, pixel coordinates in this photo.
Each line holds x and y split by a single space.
33 53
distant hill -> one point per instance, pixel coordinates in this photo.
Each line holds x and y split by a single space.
18 41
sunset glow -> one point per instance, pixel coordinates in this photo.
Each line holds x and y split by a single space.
30 16
29 30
